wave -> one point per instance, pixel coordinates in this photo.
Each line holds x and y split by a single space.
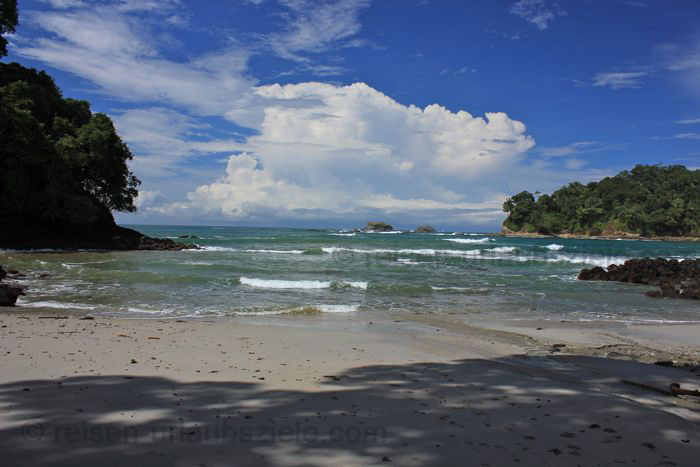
487 254
593 260
314 251
250 250
344 234
213 248
554 247
301 284
468 240
389 232
279 252
502 249
302 310
462 290
88 262
49 304
407 261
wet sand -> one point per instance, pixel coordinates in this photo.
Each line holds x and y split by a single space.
343 390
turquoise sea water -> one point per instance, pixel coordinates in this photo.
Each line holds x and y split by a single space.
263 271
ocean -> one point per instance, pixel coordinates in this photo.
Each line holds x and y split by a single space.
273 271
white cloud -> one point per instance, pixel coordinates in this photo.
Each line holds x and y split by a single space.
315 26
690 121
579 147
113 49
328 151
566 150
321 151
537 12
684 60
66 3
620 80
687 136
162 139
146 199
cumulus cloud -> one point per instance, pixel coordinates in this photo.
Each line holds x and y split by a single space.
318 151
329 151
537 12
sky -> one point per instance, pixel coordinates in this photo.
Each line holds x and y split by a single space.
331 113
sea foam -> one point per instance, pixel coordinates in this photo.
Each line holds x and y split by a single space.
468 240
301 284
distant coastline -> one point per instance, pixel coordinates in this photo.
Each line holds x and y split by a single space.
603 236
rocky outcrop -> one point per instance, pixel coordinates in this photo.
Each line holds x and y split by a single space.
378 227
104 236
8 293
680 279
148 243
425 229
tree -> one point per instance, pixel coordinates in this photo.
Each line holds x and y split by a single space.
647 200
59 163
8 21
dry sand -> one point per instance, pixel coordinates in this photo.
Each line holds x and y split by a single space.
342 390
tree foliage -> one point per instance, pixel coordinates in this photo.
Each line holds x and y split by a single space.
59 162
8 21
650 200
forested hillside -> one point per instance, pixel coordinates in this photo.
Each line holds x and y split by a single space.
649 200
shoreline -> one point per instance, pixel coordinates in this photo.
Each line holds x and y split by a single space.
415 389
620 236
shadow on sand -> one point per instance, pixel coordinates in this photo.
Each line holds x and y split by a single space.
515 410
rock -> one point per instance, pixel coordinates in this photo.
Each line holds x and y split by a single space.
148 243
378 227
595 274
43 275
425 229
3 273
664 363
98 236
14 272
675 279
9 294
184 236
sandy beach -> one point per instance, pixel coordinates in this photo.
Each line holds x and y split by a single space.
343 390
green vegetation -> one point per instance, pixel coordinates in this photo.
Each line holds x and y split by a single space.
649 200
8 21
60 164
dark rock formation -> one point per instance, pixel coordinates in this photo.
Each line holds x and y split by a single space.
680 279
425 229
103 236
8 293
378 227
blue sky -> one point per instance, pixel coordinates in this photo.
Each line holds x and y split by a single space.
332 113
